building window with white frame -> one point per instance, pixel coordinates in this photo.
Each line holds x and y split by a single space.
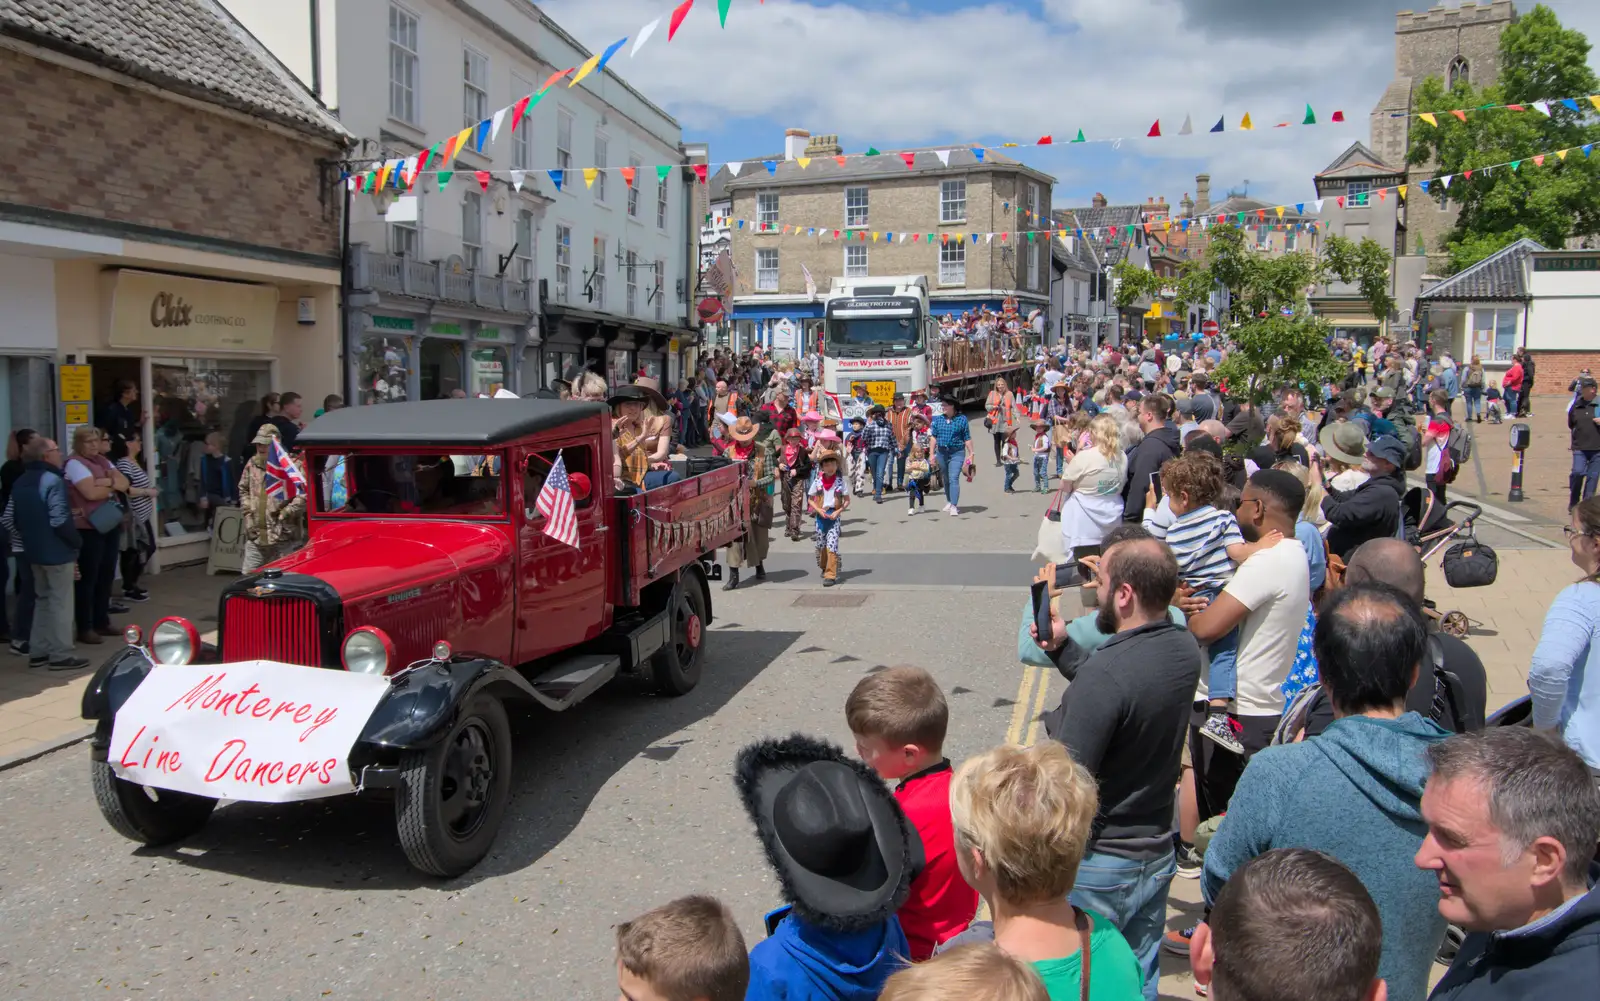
474 86
953 200
563 139
767 270
403 239
522 137
563 263
472 230
524 252
661 203
1033 265
661 295
633 189
855 206
767 208
1263 237
953 263
602 147
403 61
1033 201
855 260
1291 240
597 278
1356 194
633 283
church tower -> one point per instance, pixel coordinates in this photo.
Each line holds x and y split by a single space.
1450 43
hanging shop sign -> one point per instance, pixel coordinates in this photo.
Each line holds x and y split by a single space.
169 311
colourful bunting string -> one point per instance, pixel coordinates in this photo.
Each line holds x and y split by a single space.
678 15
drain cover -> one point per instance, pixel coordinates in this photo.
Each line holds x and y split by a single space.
830 600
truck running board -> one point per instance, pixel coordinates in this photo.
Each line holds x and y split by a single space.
575 679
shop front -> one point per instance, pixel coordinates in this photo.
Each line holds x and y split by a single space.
422 356
619 349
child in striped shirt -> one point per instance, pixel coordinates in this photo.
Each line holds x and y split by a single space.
1208 546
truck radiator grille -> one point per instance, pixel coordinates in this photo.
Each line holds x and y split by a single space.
280 629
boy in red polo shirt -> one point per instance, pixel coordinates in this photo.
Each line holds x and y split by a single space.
899 717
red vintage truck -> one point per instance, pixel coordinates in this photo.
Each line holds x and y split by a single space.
429 565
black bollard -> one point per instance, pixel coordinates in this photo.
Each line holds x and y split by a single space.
1521 438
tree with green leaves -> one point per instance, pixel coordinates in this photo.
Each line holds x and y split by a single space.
1274 337
1539 61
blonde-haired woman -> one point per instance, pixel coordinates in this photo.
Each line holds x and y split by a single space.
1000 415
94 484
1092 485
591 387
978 972
1022 817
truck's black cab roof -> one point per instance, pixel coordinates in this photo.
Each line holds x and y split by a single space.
474 422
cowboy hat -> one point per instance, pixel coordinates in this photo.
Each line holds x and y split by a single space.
842 848
265 435
826 451
652 389
1344 441
743 430
629 394
811 415
919 416
875 409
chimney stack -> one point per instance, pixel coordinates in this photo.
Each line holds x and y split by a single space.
1099 200
1202 193
794 143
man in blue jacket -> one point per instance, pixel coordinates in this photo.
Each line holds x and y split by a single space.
44 521
1513 815
1354 792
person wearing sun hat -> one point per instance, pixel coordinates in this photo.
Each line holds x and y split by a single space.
844 854
1373 509
751 550
829 496
794 470
919 447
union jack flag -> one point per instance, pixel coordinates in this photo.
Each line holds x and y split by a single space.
555 503
283 478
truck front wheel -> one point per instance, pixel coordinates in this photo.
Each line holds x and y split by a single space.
676 666
148 816
455 793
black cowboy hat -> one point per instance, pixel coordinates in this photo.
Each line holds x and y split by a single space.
629 394
842 848
876 408
950 399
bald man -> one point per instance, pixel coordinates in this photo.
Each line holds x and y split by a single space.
1452 688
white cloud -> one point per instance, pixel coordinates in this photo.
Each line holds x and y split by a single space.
902 74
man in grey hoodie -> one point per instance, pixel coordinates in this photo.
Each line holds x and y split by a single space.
1355 791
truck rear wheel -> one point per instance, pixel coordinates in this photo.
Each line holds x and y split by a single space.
455 793
148 816
676 666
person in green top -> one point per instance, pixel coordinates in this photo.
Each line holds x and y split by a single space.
1022 817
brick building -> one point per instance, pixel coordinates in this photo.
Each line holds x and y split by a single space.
792 212
169 221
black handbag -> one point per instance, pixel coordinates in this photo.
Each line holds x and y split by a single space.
1470 563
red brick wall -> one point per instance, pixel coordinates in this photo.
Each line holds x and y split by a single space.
76 143
1554 370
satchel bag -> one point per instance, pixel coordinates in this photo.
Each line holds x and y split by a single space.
107 516
1051 547
1470 563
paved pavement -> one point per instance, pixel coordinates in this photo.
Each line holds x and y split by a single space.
620 804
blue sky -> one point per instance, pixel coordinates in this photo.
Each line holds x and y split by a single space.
892 73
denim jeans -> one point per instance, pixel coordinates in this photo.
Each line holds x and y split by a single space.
1012 469
1586 465
1474 401
1223 680
900 467
878 462
1133 896
1510 396
1041 472
951 463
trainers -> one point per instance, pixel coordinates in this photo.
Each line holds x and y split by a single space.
1224 731
38 661
1177 942
911 510
1189 862
118 608
69 664
19 648
137 594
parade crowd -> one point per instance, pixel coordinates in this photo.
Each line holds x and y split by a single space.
1260 698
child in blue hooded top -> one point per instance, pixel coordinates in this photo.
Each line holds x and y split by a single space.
845 856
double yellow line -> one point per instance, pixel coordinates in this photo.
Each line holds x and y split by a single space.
1035 686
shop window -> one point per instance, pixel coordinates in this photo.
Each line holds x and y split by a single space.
384 369
619 367
197 401
486 371
439 369
563 365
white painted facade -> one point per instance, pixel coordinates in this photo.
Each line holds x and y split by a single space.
1564 293
403 75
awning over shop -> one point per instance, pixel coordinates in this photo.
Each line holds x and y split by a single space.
795 311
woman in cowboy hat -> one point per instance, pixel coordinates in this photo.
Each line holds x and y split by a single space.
829 496
844 854
632 464
749 445
794 467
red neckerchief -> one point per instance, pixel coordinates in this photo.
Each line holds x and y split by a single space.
829 481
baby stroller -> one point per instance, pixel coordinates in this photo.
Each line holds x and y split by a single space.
1466 563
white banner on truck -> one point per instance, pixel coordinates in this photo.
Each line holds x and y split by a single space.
254 730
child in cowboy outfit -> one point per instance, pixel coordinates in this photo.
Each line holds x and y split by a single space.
829 497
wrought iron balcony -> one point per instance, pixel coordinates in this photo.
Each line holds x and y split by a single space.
372 270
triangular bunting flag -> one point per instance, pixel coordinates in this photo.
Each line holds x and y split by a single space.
644 36
1569 102
1338 116
1311 116
839 160
944 156
872 151
482 178
1402 190
1280 211
462 138
1594 99
445 175
722 11
584 70
383 176
700 169
678 14
494 126
663 172
989 238
772 167
628 174
1424 186
1080 137
1466 175
1429 119
589 174
1045 141
517 177
1300 208
1217 127
978 151
1538 161
734 166
803 161
1542 107
1245 124
1461 115
1561 154
480 134
911 158
1187 129
518 110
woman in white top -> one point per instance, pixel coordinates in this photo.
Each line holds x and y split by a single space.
1093 482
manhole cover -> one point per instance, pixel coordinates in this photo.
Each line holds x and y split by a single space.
831 600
